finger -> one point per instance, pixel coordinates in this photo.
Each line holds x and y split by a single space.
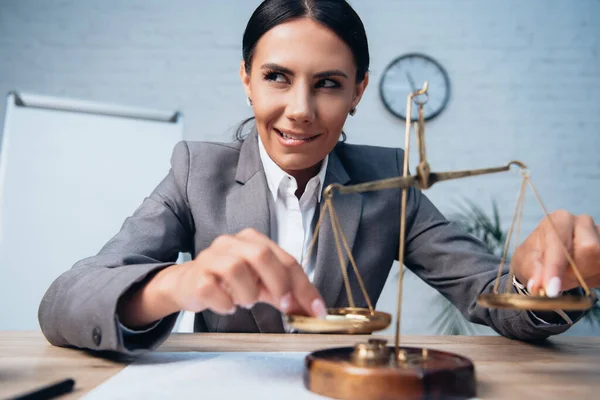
586 249
237 277
295 308
308 308
211 295
587 234
534 285
555 260
258 251
302 291
306 295
531 270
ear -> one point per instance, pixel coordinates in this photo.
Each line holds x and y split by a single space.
360 89
245 77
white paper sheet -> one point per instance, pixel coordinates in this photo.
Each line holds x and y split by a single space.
256 375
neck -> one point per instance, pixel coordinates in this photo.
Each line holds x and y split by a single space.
303 176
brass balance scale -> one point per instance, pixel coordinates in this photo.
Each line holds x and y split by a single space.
373 370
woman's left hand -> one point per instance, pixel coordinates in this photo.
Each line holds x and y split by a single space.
541 263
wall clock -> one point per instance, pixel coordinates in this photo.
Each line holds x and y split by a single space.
406 74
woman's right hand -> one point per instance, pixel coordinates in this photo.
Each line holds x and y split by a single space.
236 270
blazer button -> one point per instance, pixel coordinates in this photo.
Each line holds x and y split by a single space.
97 336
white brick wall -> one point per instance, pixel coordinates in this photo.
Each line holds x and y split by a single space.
525 82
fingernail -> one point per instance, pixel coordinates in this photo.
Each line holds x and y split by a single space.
530 286
249 306
318 308
231 311
285 302
553 287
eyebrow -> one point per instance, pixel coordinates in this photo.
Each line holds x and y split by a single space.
324 74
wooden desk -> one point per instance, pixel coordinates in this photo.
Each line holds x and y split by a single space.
565 367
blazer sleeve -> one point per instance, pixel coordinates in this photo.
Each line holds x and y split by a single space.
461 268
79 308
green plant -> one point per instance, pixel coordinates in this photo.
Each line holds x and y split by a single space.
450 321
486 228
473 220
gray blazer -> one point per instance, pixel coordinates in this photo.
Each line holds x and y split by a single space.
220 188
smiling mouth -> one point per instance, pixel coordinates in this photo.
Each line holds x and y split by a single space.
300 138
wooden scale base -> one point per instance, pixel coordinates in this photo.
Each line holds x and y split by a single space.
374 371
370 371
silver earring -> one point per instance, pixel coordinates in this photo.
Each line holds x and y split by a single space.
352 111
249 101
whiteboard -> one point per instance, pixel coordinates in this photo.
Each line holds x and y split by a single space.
70 173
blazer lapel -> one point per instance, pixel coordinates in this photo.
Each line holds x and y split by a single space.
247 204
248 207
328 273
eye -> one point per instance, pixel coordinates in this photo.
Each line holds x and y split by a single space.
328 84
275 77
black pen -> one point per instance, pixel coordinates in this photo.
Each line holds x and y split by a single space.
50 391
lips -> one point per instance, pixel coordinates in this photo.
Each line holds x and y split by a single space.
296 136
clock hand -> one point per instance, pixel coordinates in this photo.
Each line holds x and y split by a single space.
413 87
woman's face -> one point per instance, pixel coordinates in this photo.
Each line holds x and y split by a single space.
302 85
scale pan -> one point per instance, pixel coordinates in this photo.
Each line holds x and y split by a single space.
536 303
341 320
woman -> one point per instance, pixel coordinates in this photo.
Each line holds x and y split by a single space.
246 211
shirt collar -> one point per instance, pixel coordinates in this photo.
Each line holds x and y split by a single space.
275 174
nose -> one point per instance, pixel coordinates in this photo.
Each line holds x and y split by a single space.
300 107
